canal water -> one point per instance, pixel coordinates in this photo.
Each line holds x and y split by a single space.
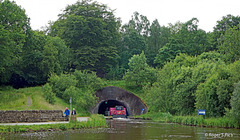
127 129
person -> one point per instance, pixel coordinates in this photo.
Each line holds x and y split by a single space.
67 112
74 112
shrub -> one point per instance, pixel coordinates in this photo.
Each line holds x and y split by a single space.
88 80
48 94
61 83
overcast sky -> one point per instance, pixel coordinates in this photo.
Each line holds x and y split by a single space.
208 12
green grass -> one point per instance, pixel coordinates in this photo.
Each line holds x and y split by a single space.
121 83
17 99
223 122
95 121
159 117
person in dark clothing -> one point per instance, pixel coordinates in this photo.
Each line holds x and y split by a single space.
74 112
67 112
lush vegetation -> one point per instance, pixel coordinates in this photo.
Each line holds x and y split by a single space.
177 69
95 121
223 122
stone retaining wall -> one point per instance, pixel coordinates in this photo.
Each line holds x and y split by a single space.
10 116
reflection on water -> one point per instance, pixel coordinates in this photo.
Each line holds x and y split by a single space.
126 129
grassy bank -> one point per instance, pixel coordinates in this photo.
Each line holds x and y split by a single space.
30 98
94 122
192 120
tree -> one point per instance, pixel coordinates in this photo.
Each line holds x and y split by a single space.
192 82
139 73
131 44
231 44
13 32
55 57
167 53
186 39
40 57
158 37
61 83
31 58
214 94
115 72
90 30
222 26
140 23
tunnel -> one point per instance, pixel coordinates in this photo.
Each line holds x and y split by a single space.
105 106
114 96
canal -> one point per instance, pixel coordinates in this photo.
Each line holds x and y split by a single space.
127 129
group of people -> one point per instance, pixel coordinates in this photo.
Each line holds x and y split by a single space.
67 112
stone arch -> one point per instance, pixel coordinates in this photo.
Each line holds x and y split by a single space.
112 96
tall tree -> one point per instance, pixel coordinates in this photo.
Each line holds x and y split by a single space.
41 56
90 30
185 39
222 26
140 23
131 44
32 55
158 37
230 46
14 26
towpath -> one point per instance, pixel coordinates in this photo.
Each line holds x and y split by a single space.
80 119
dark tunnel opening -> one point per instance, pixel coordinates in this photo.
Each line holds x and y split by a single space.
105 106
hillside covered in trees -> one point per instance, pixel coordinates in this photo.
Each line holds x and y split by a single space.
179 68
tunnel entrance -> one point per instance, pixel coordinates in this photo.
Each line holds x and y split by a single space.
114 96
105 106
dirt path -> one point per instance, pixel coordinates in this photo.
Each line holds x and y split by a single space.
29 102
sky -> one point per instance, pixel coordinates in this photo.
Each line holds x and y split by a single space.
208 12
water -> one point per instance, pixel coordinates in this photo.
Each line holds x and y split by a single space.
125 129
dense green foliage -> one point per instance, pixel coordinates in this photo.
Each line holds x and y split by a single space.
91 31
48 94
139 73
182 70
13 32
191 83
187 39
223 122
231 44
80 86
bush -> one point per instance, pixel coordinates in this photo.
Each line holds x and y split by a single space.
88 80
61 83
86 100
71 92
48 94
